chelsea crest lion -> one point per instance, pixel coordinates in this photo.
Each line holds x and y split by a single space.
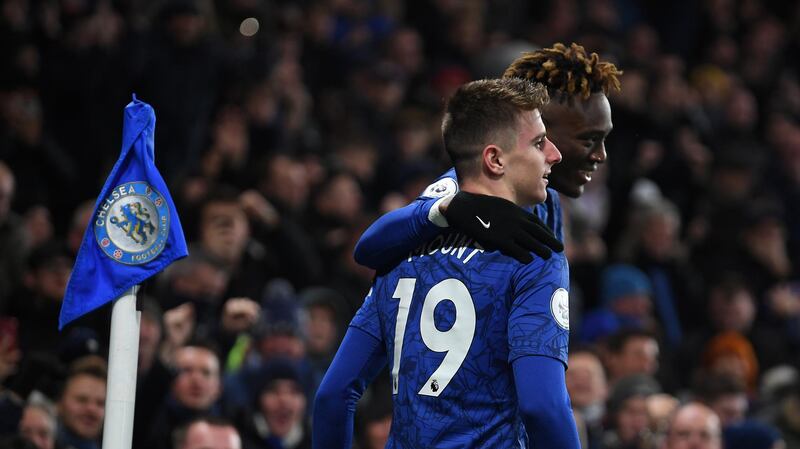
132 223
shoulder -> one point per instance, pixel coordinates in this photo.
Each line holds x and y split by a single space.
368 317
539 270
543 282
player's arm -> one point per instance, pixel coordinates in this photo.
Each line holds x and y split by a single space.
493 222
538 338
544 404
395 234
359 359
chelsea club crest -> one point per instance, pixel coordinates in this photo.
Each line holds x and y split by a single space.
132 224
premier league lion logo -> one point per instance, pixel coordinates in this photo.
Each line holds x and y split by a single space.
132 223
559 307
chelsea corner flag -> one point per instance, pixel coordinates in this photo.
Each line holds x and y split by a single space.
134 232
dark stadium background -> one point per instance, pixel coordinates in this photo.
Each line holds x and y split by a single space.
284 128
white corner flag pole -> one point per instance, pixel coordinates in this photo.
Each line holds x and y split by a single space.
123 358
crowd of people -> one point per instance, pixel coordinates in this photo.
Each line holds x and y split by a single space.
283 138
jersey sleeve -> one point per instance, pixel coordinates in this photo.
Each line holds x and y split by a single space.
446 184
392 236
538 322
545 405
357 362
368 318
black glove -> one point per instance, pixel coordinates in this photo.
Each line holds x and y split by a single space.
499 224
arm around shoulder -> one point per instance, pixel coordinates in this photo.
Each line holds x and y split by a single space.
392 236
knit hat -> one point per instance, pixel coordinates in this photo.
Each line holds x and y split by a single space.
737 345
274 370
750 435
623 280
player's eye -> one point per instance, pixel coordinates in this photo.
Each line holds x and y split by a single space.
539 144
593 140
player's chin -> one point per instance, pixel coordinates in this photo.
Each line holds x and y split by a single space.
572 188
539 197
542 193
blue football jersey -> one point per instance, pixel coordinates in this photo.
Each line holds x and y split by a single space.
453 318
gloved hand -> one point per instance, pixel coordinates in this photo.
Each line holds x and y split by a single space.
499 224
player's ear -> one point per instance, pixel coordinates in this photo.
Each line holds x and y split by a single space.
494 160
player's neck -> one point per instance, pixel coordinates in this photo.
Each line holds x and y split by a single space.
492 187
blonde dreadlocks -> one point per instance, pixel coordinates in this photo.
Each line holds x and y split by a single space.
566 71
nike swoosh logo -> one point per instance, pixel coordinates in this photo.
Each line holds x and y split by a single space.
485 224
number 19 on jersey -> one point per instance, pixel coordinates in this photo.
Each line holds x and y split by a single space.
455 341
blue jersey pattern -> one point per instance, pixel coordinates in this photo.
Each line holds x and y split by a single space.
549 211
508 309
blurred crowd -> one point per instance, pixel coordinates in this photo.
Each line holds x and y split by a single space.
284 128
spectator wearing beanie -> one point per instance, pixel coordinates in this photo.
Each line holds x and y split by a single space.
278 418
752 435
627 304
732 354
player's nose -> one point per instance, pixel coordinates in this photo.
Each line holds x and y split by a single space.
552 154
599 154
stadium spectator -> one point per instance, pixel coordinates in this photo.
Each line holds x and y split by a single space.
785 415
278 209
13 240
375 423
207 433
279 419
730 353
322 329
81 406
655 247
277 338
10 356
752 435
693 426
628 420
627 304
660 408
224 234
81 217
153 378
337 204
588 391
193 393
181 40
726 396
37 305
630 352
732 308
40 164
38 424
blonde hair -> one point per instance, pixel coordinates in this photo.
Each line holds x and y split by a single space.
567 72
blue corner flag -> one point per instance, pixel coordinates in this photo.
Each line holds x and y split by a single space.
134 232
